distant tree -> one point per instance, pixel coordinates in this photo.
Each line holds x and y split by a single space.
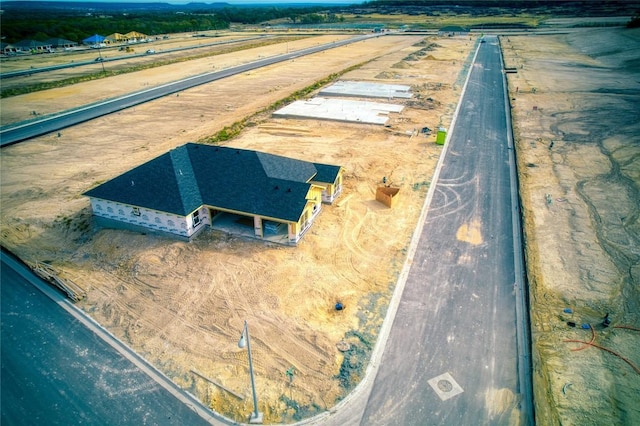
23 20
312 18
71 36
40 36
634 22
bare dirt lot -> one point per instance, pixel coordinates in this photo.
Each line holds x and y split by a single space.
576 103
182 305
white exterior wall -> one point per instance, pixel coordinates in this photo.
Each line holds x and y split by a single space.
327 196
152 219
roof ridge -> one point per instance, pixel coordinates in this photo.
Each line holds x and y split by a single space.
190 195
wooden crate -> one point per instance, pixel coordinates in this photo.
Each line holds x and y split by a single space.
387 195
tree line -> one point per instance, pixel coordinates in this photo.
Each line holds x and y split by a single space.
75 24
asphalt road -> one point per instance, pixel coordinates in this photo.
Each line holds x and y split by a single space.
56 370
457 314
454 349
23 131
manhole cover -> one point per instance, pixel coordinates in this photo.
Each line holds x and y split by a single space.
445 386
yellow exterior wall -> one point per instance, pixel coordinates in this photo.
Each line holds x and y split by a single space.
315 194
331 190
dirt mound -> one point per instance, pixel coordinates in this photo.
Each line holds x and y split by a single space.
401 65
387 75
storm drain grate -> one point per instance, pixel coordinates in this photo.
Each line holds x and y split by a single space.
445 386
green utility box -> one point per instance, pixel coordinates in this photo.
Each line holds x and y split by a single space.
441 136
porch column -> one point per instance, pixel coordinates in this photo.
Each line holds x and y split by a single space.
257 226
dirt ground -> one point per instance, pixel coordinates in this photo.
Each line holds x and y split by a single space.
19 108
576 105
182 305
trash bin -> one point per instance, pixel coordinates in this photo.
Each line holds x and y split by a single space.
441 136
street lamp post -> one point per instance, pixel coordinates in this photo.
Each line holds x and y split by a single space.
256 416
101 58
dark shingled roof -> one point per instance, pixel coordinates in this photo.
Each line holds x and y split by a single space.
326 173
193 175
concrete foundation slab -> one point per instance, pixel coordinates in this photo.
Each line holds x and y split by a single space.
363 89
340 110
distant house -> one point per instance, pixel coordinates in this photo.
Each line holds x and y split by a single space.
61 43
8 49
116 38
94 40
32 46
272 197
135 37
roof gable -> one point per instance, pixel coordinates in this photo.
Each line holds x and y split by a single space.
96 38
278 167
135 34
327 173
152 185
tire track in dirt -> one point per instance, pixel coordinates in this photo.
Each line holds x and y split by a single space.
165 317
354 256
296 348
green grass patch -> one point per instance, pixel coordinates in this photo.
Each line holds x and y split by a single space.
436 21
355 359
297 412
418 185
